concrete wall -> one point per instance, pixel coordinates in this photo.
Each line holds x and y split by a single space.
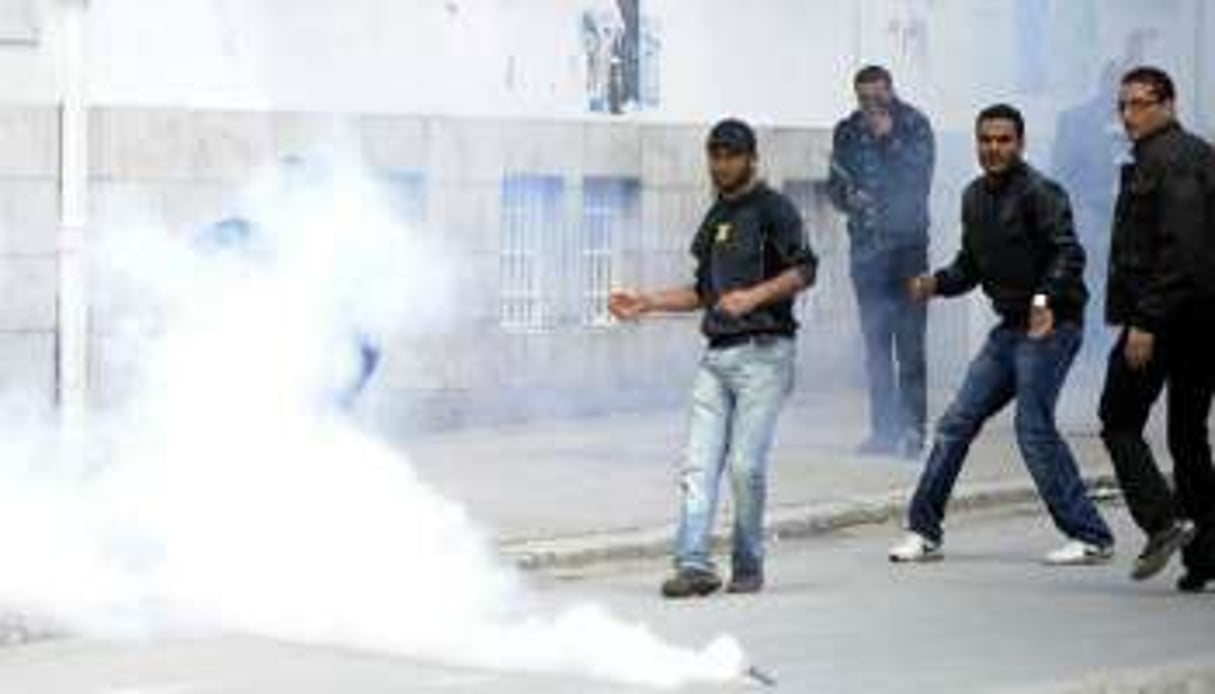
779 62
28 267
489 58
185 168
1205 77
193 94
29 66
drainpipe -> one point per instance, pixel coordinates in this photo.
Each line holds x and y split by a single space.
71 383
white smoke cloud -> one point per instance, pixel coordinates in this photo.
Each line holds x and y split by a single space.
226 492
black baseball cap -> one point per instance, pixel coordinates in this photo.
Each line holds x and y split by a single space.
732 134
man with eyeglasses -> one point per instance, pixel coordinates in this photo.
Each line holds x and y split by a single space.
881 173
1161 297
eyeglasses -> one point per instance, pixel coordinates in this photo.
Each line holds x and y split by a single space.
1138 104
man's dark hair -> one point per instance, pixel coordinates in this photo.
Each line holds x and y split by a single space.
1003 112
873 73
1153 77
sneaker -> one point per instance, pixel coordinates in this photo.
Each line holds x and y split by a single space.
1079 553
1195 581
1161 547
687 583
916 548
746 583
877 445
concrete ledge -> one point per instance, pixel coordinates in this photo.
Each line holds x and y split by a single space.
788 522
1186 677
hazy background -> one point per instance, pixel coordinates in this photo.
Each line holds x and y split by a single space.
553 146
485 173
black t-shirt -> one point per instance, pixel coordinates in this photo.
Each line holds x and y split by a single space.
743 242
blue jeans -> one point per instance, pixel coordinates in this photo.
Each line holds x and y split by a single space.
1011 365
736 400
893 328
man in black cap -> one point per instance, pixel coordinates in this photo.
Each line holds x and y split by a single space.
1161 296
752 259
881 172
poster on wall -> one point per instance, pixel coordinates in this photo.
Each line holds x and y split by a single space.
621 51
899 34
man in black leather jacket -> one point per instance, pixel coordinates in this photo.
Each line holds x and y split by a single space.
1019 244
1161 297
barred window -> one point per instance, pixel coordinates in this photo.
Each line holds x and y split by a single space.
531 223
610 210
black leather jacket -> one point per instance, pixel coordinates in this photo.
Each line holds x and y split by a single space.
1162 254
1018 240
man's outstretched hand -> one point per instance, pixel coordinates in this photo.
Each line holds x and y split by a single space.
627 305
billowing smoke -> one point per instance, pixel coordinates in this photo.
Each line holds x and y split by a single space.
228 490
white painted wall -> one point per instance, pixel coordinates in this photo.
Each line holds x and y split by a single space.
1205 77
29 34
782 62
776 61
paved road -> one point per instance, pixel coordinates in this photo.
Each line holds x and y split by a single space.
837 618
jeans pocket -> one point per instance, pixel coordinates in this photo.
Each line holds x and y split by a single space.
776 361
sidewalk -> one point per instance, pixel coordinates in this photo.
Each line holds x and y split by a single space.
605 488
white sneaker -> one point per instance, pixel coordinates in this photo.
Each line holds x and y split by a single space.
1077 553
916 548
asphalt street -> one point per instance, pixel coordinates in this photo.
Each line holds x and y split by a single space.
836 617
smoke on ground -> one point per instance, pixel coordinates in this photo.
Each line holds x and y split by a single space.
228 491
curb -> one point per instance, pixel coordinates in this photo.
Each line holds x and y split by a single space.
784 523
1186 677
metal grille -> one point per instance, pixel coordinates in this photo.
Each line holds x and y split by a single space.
610 209
531 223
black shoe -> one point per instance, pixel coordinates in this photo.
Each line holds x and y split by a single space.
687 583
877 445
1195 581
1161 547
746 583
